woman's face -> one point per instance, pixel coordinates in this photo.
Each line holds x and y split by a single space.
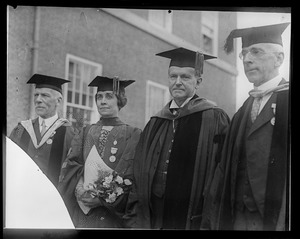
107 104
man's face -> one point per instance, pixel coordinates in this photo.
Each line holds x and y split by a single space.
46 102
182 83
260 63
107 104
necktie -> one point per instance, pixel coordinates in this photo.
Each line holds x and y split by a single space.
255 108
258 95
175 111
43 128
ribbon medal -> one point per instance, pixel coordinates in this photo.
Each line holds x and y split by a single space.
112 158
113 150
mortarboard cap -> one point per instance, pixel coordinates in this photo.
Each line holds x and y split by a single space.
183 57
44 81
110 84
254 35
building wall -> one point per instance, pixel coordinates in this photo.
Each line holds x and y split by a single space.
19 64
121 48
227 22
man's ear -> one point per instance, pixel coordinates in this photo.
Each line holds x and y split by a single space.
279 59
199 80
59 99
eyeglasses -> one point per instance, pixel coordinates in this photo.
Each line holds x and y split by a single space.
254 53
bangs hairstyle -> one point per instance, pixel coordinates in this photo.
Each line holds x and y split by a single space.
121 98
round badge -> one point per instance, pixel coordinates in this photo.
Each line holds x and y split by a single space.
112 158
113 150
115 142
273 121
49 141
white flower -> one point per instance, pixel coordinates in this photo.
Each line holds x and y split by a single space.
119 191
106 185
127 182
119 179
111 198
108 179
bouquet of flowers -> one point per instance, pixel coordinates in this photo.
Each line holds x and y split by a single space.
109 187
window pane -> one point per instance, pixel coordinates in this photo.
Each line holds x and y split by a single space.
69 98
71 75
83 99
91 101
76 98
84 86
78 76
80 97
156 98
71 68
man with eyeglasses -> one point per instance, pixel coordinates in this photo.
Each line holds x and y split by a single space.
249 190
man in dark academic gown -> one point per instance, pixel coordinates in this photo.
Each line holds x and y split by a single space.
177 151
47 138
250 187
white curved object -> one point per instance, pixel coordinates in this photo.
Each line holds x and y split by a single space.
31 200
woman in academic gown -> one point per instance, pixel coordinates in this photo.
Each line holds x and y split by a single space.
97 151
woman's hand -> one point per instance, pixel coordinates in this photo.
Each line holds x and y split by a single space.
90 201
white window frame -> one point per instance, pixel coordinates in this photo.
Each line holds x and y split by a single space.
167 19
167 97
94 114
210 20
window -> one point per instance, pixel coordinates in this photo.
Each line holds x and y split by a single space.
209 29
80 99
161 19
157 96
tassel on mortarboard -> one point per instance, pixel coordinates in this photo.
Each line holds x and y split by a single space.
228 46
116 85
199 64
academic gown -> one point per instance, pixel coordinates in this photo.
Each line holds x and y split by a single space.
267 166
197 141
49 151
123 137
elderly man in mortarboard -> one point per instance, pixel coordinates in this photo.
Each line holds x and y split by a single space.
47 138
249 189
177 151
97 175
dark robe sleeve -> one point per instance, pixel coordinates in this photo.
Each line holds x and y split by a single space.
71 171
130 216
215 123
215 190
16 133
221 126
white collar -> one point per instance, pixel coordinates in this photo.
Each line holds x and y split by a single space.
175 106
48 121
269 84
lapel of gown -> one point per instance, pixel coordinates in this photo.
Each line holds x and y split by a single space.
265 115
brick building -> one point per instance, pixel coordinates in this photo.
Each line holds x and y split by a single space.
79 43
